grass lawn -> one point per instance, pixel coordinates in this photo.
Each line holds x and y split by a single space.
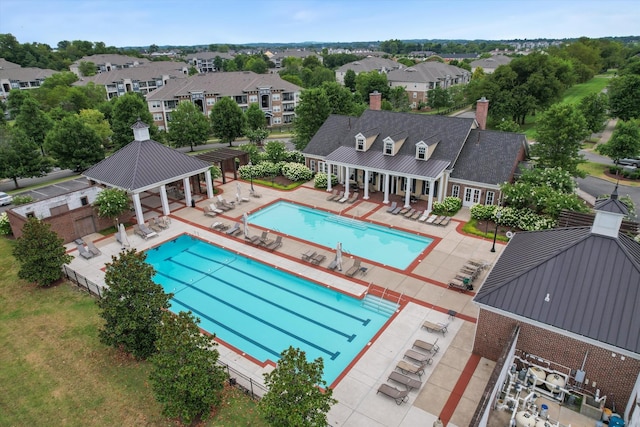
575 93
55 371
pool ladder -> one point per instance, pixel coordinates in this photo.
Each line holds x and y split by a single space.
347 221
379 304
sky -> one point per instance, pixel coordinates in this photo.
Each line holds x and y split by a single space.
123 23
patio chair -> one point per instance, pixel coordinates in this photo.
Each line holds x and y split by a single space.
424 216
435 327
209 212
318 258
241 199
226 203
445 221
264 238
84 253
144 233
397 210
405 380
409 213
92 248
275 244
460 285
154 226
416 215
333 194
431 347
254 240
234 230
439 219
219 226
407 367
147 231
343 199
353 197
333 264
400 396
165 222
421 358
254 194
393 207
431 219
403 211
309 255
215 209
354 268
220 206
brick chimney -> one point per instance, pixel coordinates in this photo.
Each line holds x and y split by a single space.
375 100
482 109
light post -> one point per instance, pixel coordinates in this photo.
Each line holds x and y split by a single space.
495 234
251 174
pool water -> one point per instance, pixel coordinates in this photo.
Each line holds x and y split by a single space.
385 245
261 310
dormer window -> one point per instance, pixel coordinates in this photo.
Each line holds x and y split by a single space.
421 151
388 148
360 143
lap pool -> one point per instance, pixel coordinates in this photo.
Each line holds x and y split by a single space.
385 245
261 310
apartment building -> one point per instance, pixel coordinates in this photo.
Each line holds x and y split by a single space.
13 76
365 65
275 96
205 61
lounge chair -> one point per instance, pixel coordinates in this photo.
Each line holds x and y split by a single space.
333 264
215 209
142 231
416 215
234 230
264 238
318 258
254 240
92 248
241 199
221 207
461 285
149 232
354 268
409 213
424 216
208 211
405 380
421 358
254 194
406 367
400 396
393 207
439 219
397 210
431 219
353 197
275 244
154 226
219 226
226 203
332 195
403 211
445 221
343 199
308 256
435 327
84 253
432 348
165 222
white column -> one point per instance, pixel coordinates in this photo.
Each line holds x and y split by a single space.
366 184
407 193
346 181
386 188
328 166
164 200
187 191
430 204
137 206
207 179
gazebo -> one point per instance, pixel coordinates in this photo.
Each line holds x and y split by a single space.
144 164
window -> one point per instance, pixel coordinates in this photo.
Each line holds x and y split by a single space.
334 170
253 98
84 201
455 191
157 117
156 104
490 198
276 108
275 97
415 95
276 120
264 103
31 215
421 152
388 148
360 144
312 165
211 101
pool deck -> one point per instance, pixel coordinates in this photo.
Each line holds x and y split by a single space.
452 385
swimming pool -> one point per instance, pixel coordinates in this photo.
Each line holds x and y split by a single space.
261 310
381 244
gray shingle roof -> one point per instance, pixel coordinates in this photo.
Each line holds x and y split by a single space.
497 152
571 279
145 72
11 71
425 72
146 164
370 64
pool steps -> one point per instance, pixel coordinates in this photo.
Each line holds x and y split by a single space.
379 305
347 221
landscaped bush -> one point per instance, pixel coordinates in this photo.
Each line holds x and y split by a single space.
296 172
449 206
522 219
5 227
293 156
482 212
320 180
22 200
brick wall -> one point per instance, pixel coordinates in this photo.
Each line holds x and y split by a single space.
613 376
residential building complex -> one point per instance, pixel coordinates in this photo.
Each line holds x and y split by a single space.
13 76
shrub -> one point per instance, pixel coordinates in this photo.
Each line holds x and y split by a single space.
321 180
449 206
296 172
522 219
5 227
22 200
293 156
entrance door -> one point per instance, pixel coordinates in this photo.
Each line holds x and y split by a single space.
471 197
84 226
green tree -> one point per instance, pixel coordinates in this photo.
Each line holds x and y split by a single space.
227 120
342 100
40 253
111 203
132 305
311 113
275 151
184 376
87 68
96 121
74 145
14 101
624 143
188 126
367 83
624 97
438 98
257 65
34 122
560 133
294 397
399 99
255 117
594 109
350 80
127 109
20 157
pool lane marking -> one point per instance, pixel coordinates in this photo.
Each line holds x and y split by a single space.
364 322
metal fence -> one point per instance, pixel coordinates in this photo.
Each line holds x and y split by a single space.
82 282
250 386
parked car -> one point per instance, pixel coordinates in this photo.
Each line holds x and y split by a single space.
5 199
629 162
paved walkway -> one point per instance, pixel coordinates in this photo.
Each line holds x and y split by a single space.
452 385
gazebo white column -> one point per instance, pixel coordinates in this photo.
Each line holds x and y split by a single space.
386 188
430 203
347 182
187 191
164 200
207 179
445 183
328 165
366 184
407 193
137 206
